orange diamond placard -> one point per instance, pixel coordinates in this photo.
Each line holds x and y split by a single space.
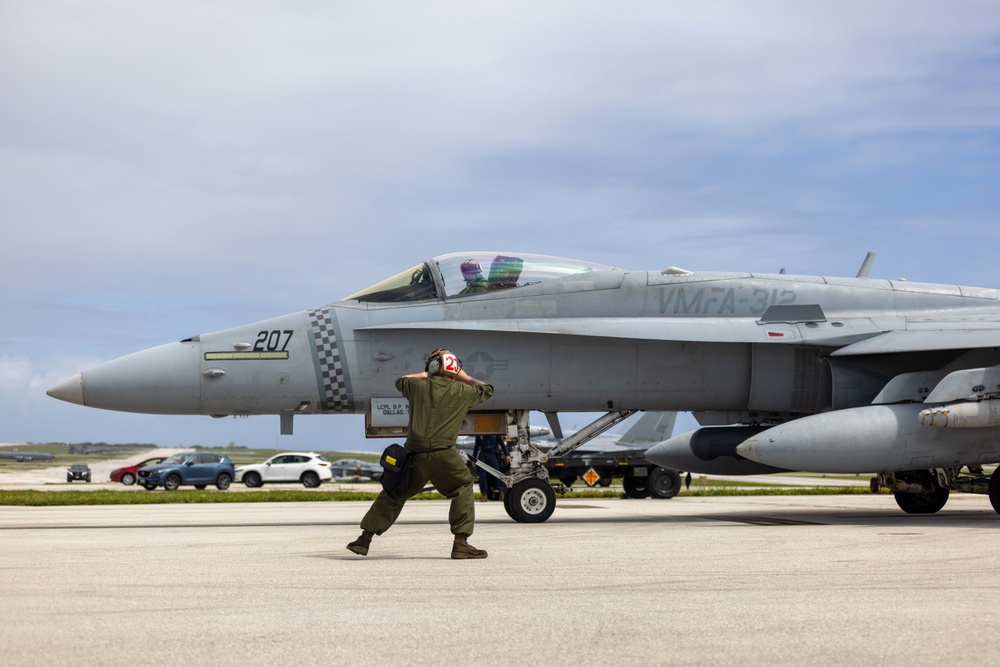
591 477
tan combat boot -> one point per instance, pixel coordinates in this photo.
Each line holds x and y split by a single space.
360 545
462 550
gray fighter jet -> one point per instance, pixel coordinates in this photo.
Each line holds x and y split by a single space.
784 372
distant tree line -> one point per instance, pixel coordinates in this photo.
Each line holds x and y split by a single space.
133 445
101 448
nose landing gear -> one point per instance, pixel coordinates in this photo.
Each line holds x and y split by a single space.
530 498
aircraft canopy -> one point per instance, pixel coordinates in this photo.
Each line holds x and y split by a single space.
469 273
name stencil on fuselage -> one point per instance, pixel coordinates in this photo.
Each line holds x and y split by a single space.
722 300
331 370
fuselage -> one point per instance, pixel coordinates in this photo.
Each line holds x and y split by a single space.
726 343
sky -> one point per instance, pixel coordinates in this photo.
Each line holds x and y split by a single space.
169 169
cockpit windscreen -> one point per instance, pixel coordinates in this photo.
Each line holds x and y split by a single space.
414 284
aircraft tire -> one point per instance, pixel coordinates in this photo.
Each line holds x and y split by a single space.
310 480
506 503
664 483
636 487
172 482
530 501
128 479
929 503
223 481
995 492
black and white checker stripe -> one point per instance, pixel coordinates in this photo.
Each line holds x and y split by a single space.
332 377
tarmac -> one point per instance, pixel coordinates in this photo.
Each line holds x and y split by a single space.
822 580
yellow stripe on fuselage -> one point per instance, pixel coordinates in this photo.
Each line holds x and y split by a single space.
234 356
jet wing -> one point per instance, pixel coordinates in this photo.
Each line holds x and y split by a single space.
923 341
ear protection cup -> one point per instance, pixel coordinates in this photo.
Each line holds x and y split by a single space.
433 364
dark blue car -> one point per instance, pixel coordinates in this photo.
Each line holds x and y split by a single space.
191 468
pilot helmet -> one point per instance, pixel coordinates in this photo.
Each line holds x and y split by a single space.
471 269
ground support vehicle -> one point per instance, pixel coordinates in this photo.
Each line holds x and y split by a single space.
640 479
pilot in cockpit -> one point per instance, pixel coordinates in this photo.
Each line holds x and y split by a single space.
475 282
505 272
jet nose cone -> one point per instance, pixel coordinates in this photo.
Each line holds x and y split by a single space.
161 380
69 390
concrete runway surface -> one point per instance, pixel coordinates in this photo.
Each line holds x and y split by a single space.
825 580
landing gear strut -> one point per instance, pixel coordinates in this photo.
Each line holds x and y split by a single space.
530 498
916 492
927 491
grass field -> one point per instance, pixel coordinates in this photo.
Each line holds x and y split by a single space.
34 498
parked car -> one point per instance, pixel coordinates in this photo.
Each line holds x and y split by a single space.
309 468
350 468
127 475
78 471
191 468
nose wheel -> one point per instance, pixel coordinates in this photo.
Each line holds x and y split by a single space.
530 501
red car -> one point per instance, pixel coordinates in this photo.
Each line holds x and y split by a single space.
126 475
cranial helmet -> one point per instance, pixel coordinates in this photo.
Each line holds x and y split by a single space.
444 362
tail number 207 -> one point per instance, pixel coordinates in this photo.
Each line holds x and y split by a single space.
273 341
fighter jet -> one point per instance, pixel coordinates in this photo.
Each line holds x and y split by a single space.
783 372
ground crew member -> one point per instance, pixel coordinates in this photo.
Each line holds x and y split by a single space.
491 450
439 399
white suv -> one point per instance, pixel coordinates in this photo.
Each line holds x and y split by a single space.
309 468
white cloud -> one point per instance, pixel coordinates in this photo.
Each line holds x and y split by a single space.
15 376
171 168
21 381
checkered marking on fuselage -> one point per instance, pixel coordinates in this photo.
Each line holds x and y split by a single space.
332 376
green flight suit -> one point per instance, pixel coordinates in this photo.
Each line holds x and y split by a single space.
438 405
